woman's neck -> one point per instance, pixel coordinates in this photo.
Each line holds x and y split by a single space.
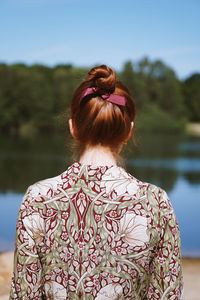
99 156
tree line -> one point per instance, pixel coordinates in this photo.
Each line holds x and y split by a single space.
35 99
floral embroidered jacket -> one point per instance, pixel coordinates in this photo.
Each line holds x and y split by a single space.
96 233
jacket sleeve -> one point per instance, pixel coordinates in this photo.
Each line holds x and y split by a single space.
26 279
166 280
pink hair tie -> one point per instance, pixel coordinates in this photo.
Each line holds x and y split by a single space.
113 98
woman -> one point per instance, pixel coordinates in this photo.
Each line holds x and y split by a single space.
95 231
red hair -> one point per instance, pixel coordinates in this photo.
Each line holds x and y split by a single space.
97 121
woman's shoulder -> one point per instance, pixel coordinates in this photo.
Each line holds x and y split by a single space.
43 189
121 182
155 195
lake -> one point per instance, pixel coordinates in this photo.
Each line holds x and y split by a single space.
171 162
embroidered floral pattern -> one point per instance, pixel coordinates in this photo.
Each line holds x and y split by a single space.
133 229
96 233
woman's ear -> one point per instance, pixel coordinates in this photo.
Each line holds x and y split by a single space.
130 133
71 128
131 130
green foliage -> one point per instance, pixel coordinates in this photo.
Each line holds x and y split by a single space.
191 91
34 99
154 119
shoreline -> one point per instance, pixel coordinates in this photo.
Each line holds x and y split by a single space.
193 129
191 275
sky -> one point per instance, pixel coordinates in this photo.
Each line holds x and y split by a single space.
89 32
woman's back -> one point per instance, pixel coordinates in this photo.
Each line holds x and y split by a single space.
96 232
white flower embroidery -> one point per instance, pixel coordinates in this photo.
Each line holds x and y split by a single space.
35 227
42 187
111 291
28 238
115 178
133 229
54 290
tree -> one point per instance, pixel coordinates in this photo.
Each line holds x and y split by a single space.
135 84
191 92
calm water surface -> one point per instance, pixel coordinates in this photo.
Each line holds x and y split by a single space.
171 162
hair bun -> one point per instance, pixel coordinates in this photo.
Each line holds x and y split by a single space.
103 77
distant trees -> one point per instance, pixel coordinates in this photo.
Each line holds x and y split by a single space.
32 98
191 92
26 98
158 95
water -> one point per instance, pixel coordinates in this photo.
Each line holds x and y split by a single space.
171 162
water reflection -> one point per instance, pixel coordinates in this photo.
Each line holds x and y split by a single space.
23 162
158 159
192 178
165 178
19 172
170 162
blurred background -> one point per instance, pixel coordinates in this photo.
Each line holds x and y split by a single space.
46 49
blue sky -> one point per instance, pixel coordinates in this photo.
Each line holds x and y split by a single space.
87 32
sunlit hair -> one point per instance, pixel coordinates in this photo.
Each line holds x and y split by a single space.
97 121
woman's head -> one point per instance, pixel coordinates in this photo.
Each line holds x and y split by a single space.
95 119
